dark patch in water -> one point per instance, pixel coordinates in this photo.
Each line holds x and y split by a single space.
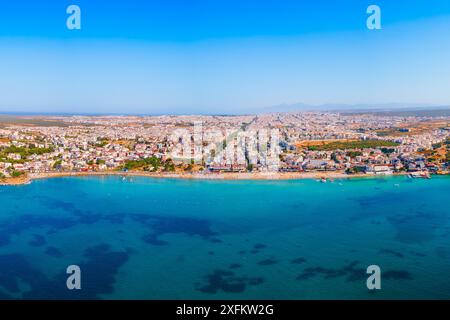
15 269
396 275
101 267
98 276
235 266
211 253
88 217
392 253
242 252
254 251
259 246
415 227
267 262
298 260
153 239
37 241
52 203
227 281
443 252
54 252
54 224
350 271
24 222
162 225
215 240
417 254
116 218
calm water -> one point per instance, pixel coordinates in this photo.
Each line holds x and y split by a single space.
161 238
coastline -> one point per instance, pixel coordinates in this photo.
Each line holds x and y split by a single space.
198 176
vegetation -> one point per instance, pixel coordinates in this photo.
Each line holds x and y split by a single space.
348 145
101 142
334 157
16 174
57 164
447 155
353 154
147 164
354 170
169 166
383 133
24 152
387 150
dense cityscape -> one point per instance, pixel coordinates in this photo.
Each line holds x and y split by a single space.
288 144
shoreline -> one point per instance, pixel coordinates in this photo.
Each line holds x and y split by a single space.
270 176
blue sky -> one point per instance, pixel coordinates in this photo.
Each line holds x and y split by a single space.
221 56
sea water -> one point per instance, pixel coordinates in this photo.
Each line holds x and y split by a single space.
154 238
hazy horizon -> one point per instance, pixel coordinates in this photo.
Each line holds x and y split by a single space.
271 110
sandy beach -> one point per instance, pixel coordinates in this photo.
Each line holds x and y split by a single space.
197 176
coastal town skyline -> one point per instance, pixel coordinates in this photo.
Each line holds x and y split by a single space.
274 145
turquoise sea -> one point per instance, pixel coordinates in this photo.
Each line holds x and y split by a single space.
145 238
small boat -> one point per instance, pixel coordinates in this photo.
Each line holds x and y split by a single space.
323 180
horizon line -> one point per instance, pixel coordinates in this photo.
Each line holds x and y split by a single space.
138 114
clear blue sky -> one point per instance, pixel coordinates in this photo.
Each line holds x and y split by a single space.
220 56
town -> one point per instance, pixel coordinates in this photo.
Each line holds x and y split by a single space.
292 145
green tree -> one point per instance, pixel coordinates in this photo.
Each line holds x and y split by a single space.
57 164
16 174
